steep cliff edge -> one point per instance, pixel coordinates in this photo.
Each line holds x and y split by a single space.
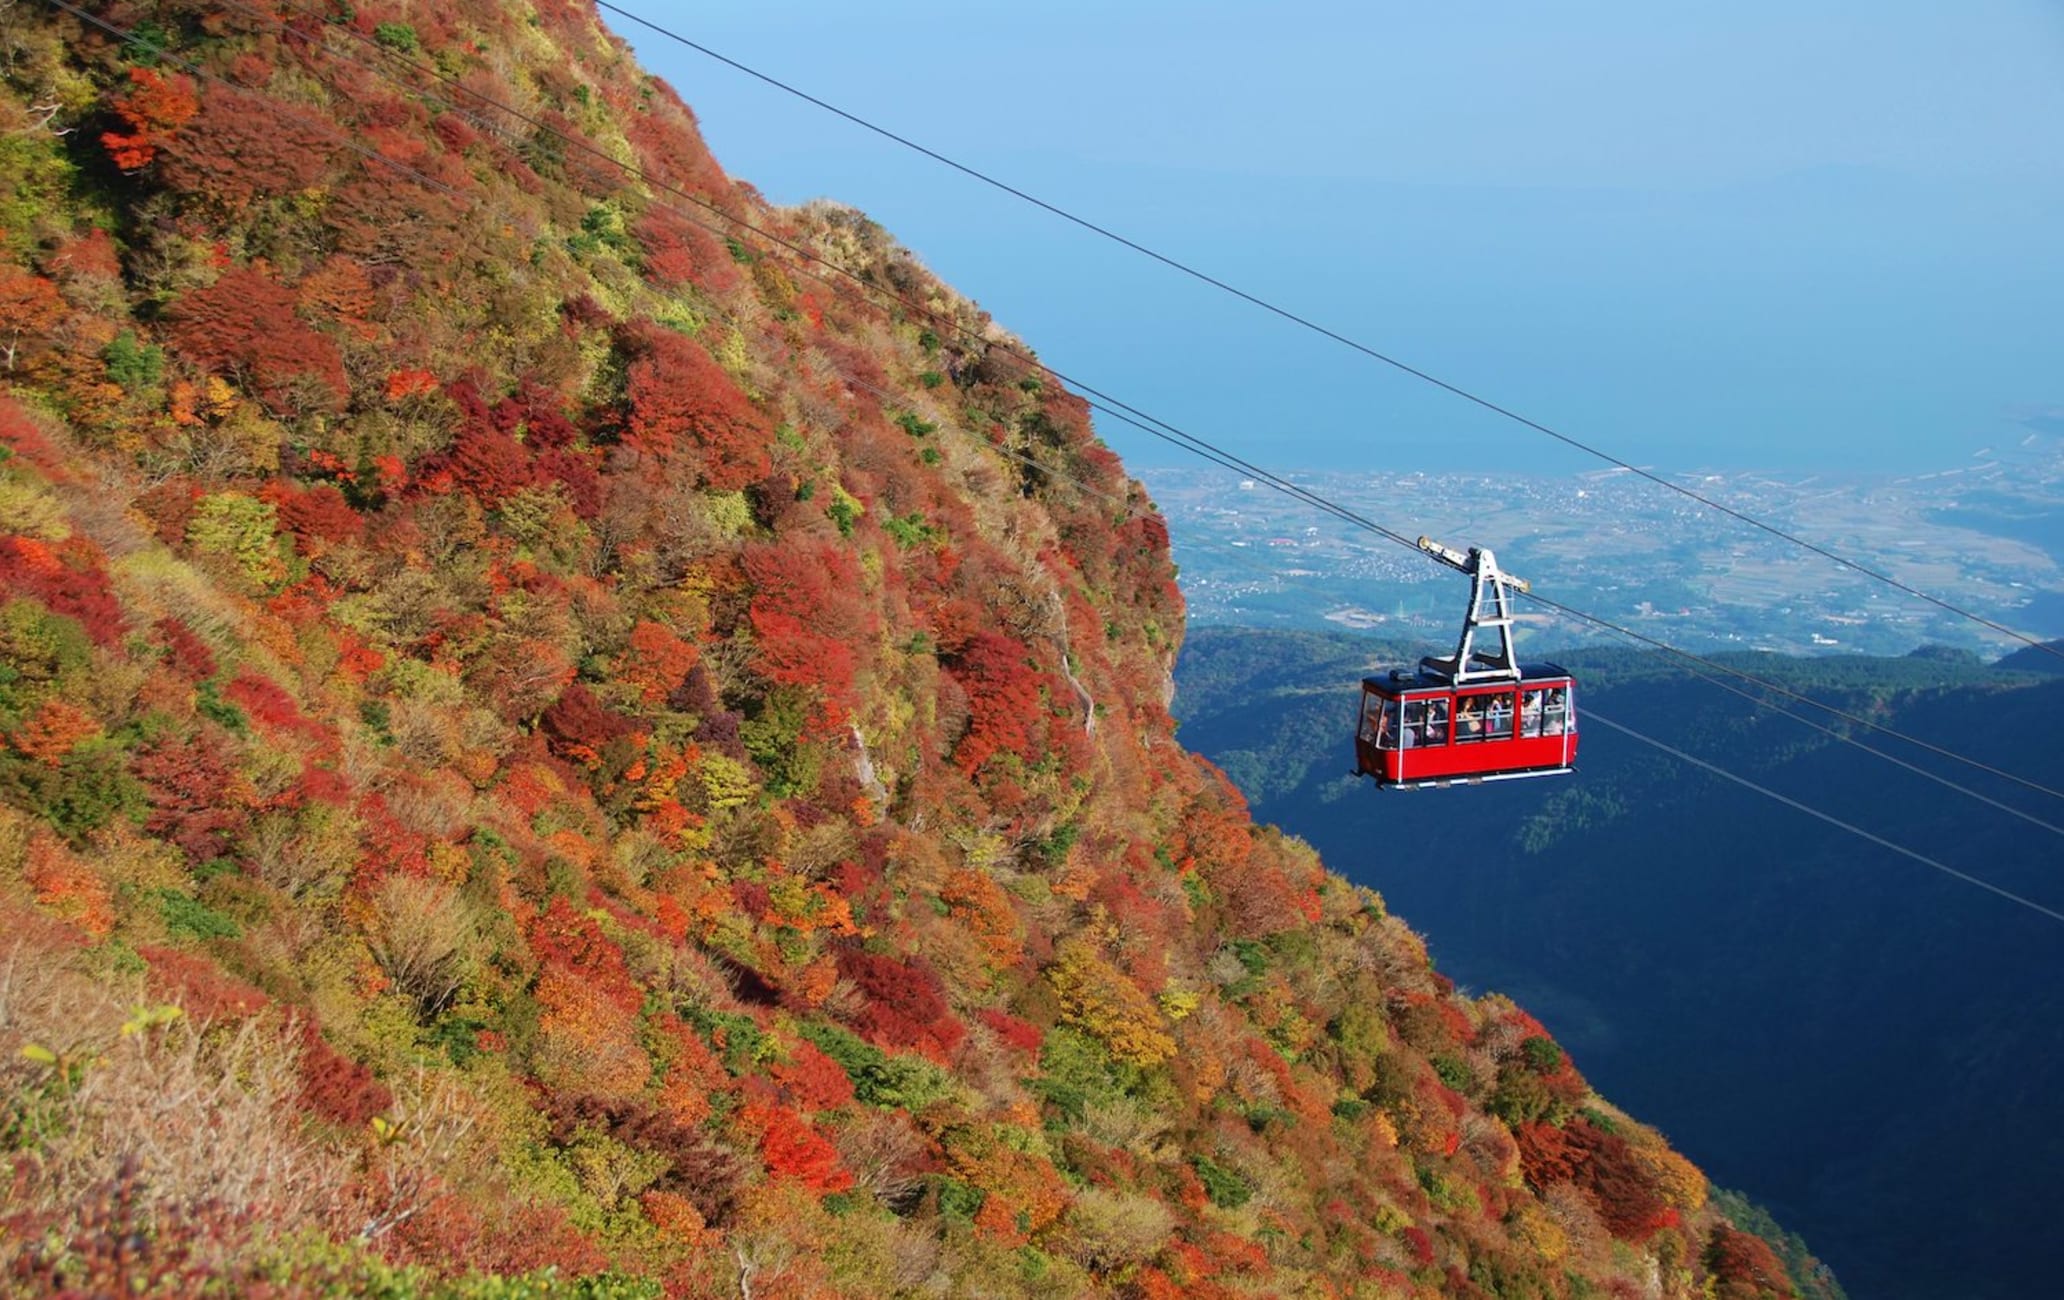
546 730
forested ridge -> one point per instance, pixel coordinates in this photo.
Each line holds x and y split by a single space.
546 747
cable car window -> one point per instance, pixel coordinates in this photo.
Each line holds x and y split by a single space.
1483 717
1530 713
1498 716
1544 712
1379 721
1469 719
1426 722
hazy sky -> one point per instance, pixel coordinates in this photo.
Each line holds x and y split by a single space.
1792 236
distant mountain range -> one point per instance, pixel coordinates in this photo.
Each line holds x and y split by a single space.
1873 1048
2036 659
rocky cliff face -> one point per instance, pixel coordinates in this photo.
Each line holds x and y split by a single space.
563 722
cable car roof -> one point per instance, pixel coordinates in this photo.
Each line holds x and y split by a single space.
1398 680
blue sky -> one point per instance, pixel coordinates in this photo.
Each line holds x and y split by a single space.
1789 236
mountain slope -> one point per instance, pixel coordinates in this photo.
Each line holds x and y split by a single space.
545 741
2036 659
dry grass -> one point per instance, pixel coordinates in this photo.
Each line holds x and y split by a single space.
100 1089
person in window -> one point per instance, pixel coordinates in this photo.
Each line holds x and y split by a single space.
1385 721
1469 720
1530 714
1436 722
1498 718
1556 711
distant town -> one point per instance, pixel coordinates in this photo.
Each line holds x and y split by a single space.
1987 536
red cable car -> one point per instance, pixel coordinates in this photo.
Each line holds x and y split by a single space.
1475 716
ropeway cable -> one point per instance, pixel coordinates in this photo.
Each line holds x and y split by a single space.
1324 331
1202 448
1592 715
1101 401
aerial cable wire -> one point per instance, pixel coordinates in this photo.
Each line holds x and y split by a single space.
1109 405
1099 400
1592 715
1324 331
1119 410
131 37
1203 449
1797 697
1831 732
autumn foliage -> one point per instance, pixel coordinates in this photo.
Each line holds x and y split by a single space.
157 105
244 325
604 761
682 403
1004 705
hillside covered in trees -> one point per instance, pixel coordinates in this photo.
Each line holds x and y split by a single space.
562 728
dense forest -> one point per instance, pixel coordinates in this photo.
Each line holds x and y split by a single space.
565 730
1872 1047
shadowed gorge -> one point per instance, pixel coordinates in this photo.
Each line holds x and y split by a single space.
1868 1044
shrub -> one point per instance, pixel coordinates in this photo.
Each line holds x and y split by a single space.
242 529
396 36
187 916
1226 1189
420 933
1098 998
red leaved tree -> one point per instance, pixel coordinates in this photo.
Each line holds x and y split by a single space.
812 1080
336 1087
1744 1267
564 939
154 110
66 577
1607 1168
678 253
317 518
683 403
578 728
245 324
807 618
243 146
793 1149
206 991
655 661
1004 708
906 1003
487 463
194 797
29 309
